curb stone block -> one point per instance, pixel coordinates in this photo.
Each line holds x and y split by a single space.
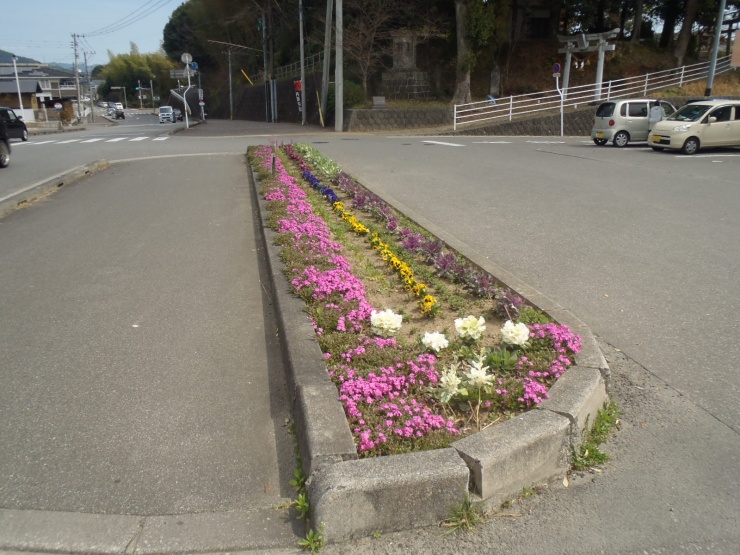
578 395
530 449
398 492
325 437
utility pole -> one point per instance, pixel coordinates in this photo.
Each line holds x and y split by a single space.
327 57
141 105
231 96
715 48
89 90
339 73
77 77
303 64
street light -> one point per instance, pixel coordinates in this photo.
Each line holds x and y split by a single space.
18 85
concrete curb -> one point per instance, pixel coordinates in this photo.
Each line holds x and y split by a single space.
351 498
28 194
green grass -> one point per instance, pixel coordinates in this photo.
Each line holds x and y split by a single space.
465 516
589 454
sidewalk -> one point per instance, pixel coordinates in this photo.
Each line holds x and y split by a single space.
143 405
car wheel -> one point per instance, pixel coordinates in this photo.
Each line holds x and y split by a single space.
4 155
657 148
600 142
691 146
24 135
621 139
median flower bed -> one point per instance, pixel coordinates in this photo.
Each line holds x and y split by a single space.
423 346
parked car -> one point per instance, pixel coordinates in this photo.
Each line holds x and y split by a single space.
622 121
118 113
712 123
166 114
178 114
4 145
16 127
118 106
103 104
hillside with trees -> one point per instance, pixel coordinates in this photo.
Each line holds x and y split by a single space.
465 49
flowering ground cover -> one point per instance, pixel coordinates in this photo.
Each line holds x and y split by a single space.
423 346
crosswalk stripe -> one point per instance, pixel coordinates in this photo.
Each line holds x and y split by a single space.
92 140
116 140
68 141
139 139
440 143
160 138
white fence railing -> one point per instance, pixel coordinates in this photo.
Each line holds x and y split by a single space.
294 69
512 106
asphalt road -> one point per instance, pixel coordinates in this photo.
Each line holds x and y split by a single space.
641 246
141 373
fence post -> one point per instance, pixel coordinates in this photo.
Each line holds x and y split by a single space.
680 84
454 118
647 78
511 107
609 90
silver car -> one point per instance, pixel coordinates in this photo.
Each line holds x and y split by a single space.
622 121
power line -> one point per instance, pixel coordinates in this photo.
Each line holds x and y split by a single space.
137 15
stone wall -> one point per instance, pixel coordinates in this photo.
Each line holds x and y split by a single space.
387 120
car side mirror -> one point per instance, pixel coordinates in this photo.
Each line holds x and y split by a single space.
712 119
18 117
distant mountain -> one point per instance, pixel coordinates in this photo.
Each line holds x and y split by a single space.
66 67
7 58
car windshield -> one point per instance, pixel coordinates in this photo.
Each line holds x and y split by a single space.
690 112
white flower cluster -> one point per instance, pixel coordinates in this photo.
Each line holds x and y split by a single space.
470 327
435 341
385 323
515 334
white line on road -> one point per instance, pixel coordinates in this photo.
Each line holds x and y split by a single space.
440 143
684 157
491 142
160 138
92 140
139 139
116 140
68 141
547 142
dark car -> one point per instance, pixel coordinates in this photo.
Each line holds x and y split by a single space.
177 114
16 128
4 145
116 113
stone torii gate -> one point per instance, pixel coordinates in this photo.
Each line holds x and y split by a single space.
582 43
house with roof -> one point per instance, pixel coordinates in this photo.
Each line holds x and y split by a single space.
41 85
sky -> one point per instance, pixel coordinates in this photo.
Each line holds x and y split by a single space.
42 29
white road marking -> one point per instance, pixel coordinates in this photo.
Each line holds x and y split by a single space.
684 157
160 138
68 141
440 143
547 142
116 140
92 140
491 142
139 139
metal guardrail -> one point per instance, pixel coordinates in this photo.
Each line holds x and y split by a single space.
513 106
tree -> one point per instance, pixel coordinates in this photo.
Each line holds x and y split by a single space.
366 38
684 36
637 21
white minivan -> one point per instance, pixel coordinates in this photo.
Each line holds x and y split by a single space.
700 124
621 121
166 114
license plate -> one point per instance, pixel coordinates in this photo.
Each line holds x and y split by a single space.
599 135
656 138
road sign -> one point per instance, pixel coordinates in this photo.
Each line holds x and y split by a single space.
57 105
186 58
194 65
180 73
201 103
556 68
